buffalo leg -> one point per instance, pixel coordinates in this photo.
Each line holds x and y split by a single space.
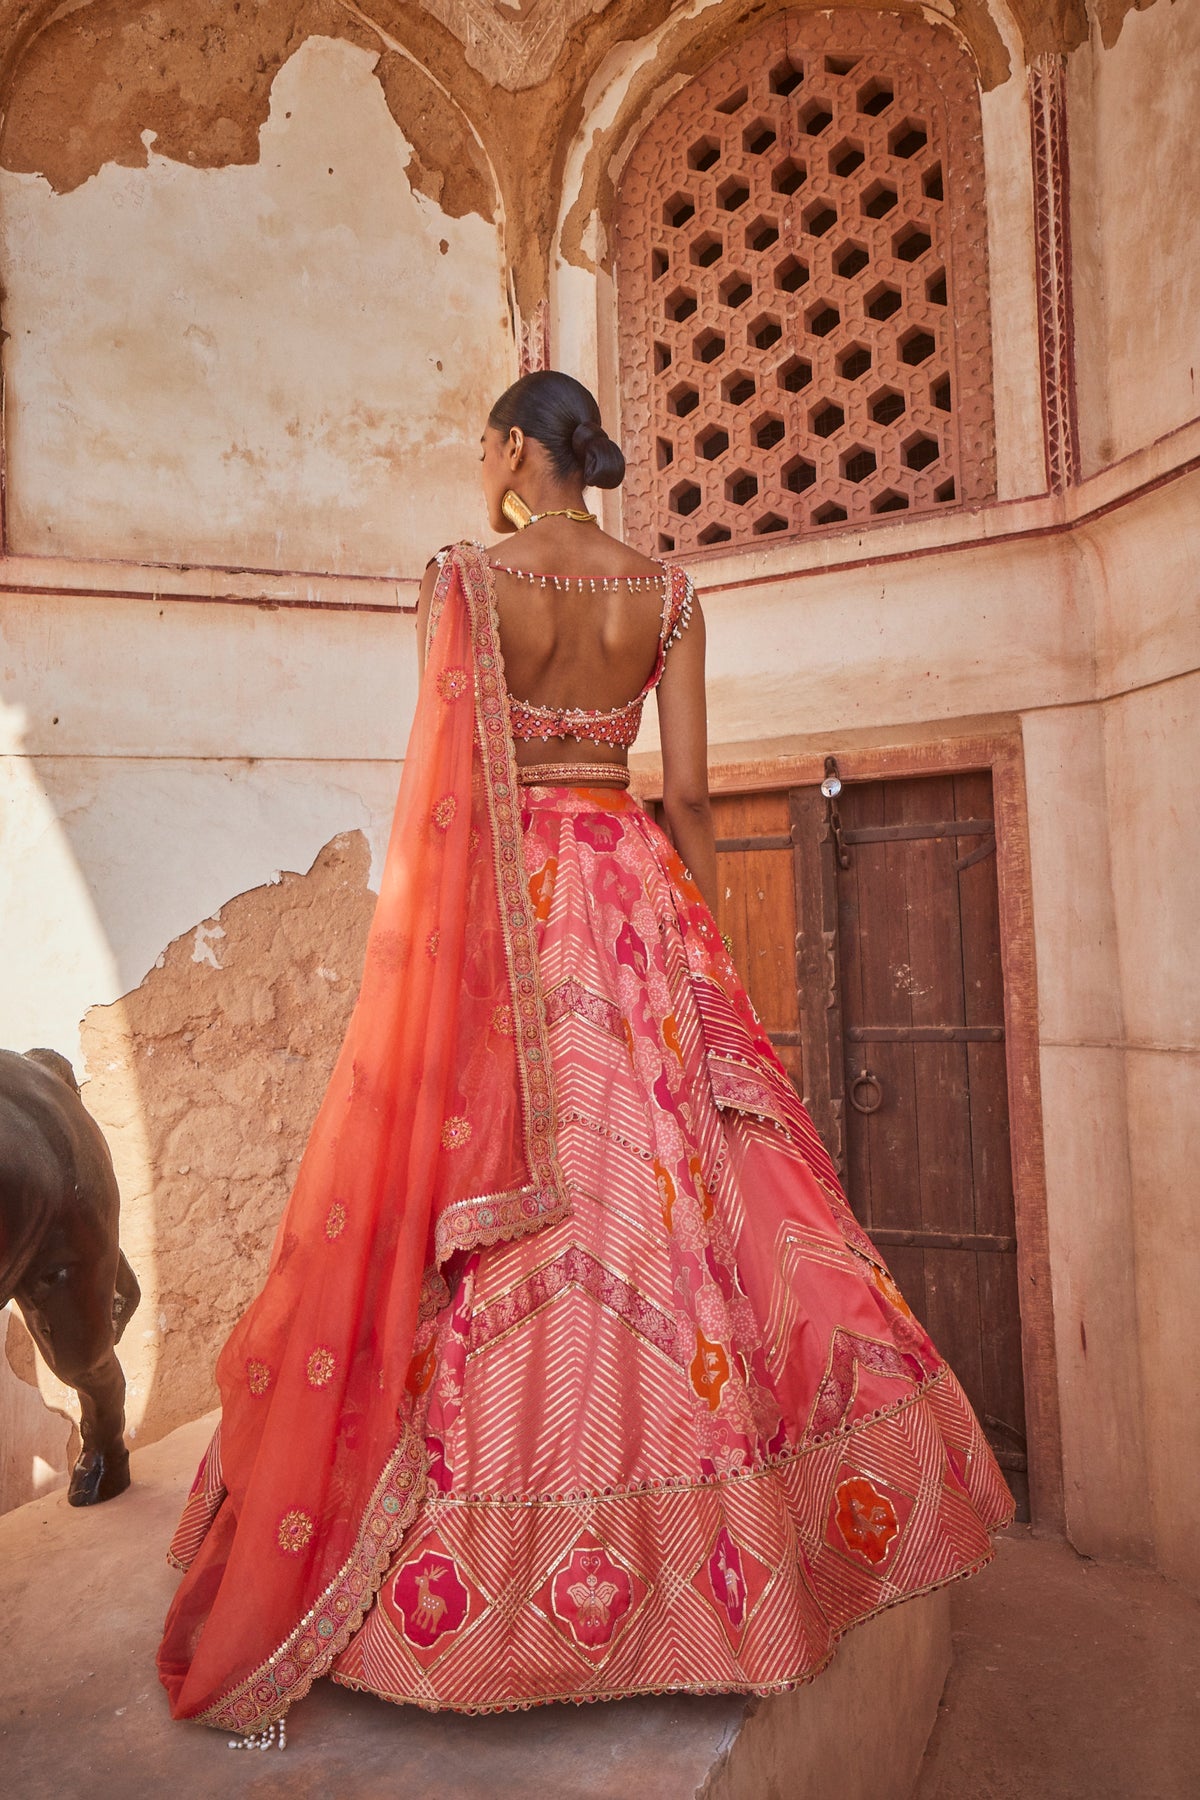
126 1297
69 1312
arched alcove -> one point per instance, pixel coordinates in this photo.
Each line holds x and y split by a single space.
253 283
802 298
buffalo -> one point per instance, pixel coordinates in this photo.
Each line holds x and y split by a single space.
59 1255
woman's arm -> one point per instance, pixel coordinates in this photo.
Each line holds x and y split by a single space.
424 602
683 729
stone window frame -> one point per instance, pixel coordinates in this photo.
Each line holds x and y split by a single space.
752 417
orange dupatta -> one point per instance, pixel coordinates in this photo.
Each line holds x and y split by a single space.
436 1133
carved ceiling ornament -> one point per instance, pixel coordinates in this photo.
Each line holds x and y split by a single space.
515 46
517 43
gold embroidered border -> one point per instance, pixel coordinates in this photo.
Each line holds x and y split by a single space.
547 1199
922 1392
440 589
495 1218
322 1634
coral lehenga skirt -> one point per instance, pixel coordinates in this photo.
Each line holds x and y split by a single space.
685 1437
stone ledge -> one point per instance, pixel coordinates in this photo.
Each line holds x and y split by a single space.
83 1595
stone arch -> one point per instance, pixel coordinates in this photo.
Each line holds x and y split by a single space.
320 293
79 88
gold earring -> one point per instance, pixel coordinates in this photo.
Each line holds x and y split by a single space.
516 511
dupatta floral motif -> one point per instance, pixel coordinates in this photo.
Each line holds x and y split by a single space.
436 1134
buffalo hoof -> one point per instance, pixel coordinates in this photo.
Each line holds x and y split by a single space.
95 1477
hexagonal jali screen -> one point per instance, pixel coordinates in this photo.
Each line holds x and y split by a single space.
802 288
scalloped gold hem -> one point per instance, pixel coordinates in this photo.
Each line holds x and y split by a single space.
763 1690
224 1714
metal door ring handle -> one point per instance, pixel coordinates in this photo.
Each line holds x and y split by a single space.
865 1079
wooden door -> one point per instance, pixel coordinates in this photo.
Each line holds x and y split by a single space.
873 958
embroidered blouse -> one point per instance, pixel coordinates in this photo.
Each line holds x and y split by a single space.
616 725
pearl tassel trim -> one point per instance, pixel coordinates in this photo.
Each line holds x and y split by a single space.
600 584
262 1740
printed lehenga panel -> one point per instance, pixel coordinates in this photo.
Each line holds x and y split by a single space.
683 1439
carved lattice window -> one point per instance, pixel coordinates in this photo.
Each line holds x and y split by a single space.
802 288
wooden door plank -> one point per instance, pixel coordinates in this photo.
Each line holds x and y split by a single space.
894 1193
991 1154
883 891
865 805
933 971
751 815
857 890
944 1137
888 1188
953 1318
817 979
769 971
1003 1391
756 906
991 1151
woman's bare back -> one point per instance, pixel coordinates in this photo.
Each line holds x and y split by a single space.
595 651
563 648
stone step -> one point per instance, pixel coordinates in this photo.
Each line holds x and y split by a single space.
82 1597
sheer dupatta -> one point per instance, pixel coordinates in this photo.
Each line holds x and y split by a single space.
436 1133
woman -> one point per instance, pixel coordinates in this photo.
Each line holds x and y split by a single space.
573 1375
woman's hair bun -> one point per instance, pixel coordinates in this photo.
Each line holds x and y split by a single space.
563 415
601 460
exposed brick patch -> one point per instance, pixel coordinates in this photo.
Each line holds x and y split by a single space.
205 1080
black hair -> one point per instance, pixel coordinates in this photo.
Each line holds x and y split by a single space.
563 416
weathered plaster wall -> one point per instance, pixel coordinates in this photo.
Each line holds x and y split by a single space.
1148 648
265 363
160 761
1135 164
1152 753
988 630
1090 1201
157 759
1114 823
206 1078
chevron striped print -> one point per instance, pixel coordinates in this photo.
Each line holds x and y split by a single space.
684 1439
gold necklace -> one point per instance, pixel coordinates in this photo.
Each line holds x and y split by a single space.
518 514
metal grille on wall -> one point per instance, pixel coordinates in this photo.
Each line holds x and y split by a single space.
802 288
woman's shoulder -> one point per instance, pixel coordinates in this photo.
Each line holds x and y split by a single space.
459 546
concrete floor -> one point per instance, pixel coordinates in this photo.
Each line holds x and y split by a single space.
1072 1681
81 1710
